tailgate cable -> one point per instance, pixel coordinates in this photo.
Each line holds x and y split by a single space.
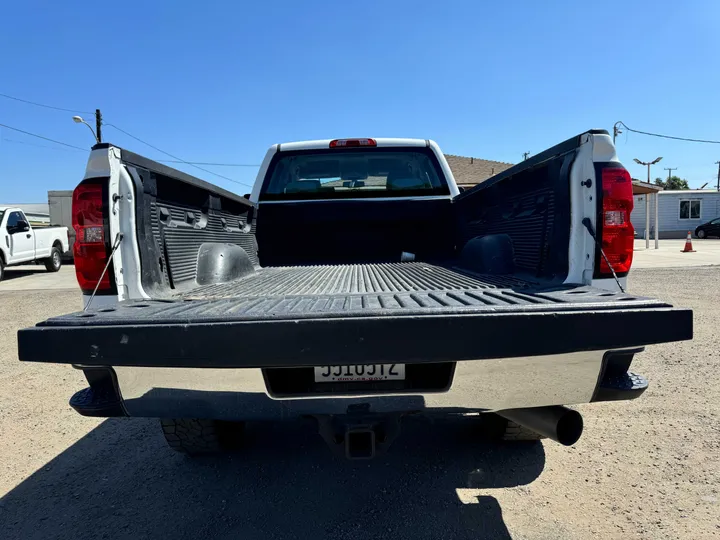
589 227
118 238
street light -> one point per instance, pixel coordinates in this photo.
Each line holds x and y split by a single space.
79 120
648 163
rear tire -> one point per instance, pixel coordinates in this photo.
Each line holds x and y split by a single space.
2 269
54 261
700 233
195 437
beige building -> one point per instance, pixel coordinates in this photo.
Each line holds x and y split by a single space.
470 171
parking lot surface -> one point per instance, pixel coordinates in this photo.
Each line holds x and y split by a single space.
670 254
35 277
649 468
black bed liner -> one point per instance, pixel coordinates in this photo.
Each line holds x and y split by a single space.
325 315
356 278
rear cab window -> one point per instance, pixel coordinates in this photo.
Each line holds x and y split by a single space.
353 173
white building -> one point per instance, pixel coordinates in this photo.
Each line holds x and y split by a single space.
678 211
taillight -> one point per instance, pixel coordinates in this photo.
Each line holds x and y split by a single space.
616 231
352 143
90 250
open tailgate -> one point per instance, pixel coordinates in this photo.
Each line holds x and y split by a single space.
330 329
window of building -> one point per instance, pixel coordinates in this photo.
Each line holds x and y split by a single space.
690 208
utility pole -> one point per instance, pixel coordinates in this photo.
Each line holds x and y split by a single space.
98 125
616 131
718 180
525 155
670 170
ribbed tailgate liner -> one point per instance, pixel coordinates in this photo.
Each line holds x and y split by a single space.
368 290
360 305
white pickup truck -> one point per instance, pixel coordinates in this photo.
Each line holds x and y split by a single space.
22 243
356 285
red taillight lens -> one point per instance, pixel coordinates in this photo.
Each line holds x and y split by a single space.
352 143
618 234
90 251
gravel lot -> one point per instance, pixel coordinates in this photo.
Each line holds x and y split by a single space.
644 469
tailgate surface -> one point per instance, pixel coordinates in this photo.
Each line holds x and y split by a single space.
362 314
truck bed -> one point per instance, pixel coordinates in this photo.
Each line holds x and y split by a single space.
361 290
361 313
358 288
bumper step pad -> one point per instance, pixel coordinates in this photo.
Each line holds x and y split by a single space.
93 402
621 387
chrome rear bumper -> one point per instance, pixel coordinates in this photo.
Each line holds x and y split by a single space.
477 386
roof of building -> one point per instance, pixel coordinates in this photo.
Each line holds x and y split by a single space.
640 188
470 171
691 191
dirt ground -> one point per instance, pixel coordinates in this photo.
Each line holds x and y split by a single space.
643 469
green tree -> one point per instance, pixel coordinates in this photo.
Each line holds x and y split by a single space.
674 182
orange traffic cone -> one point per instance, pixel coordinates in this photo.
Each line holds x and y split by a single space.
688 244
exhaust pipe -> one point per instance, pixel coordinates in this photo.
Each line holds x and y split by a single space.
558 423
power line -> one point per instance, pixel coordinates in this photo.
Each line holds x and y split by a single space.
15 141
177 158
208 163
44 138
662 136
45 106
38 145
87 150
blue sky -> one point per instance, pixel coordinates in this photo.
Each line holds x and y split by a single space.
221 81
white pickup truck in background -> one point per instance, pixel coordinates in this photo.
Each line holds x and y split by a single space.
22 244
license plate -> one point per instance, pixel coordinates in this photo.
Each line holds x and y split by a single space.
365 373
